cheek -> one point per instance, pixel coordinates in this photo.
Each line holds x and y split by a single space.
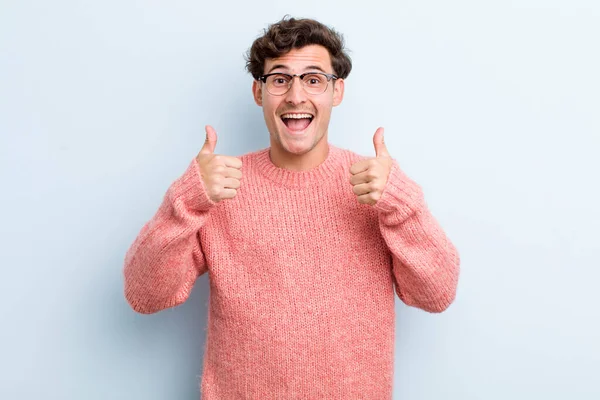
270 113
324 108
270 105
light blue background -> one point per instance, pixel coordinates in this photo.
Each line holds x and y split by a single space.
492 106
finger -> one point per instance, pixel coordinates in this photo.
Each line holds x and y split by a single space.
361 189
360 166
366 199
210 142
233 173
228 193
380 148
230 161
231 183
362 177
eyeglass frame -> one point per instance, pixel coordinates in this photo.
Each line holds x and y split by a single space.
329 77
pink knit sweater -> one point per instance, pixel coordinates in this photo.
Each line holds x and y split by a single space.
302 276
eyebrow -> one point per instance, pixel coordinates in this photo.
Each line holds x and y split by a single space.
310 67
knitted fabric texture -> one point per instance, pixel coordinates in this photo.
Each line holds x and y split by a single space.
302 276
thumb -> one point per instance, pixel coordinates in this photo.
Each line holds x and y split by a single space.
380 149
211 141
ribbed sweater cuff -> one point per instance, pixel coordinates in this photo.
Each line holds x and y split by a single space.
401 196
190 189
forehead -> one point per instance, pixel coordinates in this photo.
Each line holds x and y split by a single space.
297 60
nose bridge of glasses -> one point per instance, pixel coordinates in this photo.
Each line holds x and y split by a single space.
294 76
300 82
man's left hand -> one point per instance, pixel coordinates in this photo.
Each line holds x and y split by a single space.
370 176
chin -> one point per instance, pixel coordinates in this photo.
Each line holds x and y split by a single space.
301 147
296 148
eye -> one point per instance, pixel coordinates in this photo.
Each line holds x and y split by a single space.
279 80
314 80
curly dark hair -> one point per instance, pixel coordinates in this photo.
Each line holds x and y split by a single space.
290 33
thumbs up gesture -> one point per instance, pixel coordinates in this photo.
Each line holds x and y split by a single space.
370 176
220 174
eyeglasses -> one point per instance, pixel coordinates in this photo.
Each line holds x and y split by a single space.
279 83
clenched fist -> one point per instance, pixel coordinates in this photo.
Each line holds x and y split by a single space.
370 176
220 174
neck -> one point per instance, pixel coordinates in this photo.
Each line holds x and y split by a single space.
299 162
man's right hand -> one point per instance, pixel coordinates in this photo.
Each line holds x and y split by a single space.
221 174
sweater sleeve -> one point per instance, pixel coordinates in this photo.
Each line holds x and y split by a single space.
166 258
425 263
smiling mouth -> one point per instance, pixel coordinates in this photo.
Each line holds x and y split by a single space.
297 122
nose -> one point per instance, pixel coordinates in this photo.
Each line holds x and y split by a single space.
296 94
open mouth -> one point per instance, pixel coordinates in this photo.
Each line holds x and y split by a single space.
297 122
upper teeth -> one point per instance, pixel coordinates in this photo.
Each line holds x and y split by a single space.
296 116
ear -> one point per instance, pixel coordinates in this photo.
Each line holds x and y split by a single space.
338 91
257 92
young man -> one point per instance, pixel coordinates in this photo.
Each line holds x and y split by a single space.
305 243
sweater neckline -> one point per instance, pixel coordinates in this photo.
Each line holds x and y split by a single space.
297 179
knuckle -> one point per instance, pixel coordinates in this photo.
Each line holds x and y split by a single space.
215 189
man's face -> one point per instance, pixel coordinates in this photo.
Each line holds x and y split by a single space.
295 136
